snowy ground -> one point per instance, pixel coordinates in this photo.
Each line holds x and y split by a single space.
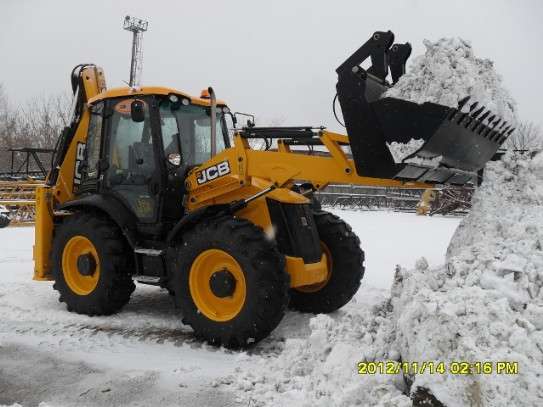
144 355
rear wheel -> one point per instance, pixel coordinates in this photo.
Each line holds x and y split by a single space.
230 282
345 268
91 266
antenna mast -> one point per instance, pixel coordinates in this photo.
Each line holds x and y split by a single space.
137 27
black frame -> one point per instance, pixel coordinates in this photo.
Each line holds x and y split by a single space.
163 171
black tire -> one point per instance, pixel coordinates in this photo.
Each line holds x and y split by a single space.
315 204
266 281
347 268
114 285
4 221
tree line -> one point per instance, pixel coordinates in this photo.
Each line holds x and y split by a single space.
36 123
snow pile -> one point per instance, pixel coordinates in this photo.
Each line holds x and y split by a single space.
485 304
445 74
321 369
450 71
400 151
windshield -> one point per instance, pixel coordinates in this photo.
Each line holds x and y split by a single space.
193 125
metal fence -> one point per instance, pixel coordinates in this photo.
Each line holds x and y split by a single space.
456 202
24 163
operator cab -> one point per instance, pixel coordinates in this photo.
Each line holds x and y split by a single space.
141 147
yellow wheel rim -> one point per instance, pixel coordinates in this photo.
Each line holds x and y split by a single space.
216 308
313 288
78 283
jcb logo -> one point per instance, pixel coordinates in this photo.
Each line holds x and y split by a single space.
213 172
79 157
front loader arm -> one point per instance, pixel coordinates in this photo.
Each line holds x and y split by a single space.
239 172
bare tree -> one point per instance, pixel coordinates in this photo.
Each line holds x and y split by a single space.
8 121
37 123
527 136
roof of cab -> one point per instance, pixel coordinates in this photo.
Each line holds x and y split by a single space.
149 90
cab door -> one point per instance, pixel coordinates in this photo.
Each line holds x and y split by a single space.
132 170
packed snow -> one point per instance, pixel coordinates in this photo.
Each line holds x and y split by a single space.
450 71
446 73
484 305
144 355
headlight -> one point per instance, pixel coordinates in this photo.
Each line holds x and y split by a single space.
173 98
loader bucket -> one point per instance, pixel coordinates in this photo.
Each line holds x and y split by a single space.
457 142
461 141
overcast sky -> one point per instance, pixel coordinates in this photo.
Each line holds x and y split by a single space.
274 58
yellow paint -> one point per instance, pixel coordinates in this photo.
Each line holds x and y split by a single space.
257 212
302 274
313 288
64 189
94 83
150 90
78 283
279 168
251 171
213 307
43 234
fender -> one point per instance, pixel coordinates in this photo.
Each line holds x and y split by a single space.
189 220
113 208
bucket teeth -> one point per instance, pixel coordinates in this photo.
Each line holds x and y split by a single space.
473 114
505 130
475 127
479 126
462 102
486 128
477 112
484 116
494 133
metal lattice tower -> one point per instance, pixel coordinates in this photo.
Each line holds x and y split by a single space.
137 27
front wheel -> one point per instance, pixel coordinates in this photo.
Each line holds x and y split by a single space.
230 282
91 265
345 261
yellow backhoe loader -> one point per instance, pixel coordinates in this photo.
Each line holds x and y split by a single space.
146 184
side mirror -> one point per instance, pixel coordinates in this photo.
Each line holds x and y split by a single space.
174 159
137 111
